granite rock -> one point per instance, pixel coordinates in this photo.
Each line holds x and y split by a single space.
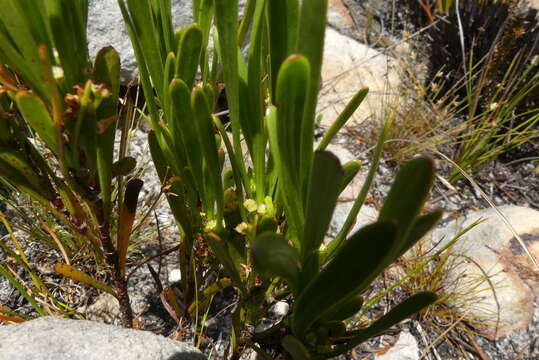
496 271
50 338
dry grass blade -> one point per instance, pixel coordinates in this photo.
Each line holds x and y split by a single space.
484 196
441 336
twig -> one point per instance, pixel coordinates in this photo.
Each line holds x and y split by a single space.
166 252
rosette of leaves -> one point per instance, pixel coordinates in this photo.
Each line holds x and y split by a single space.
58 130
326 285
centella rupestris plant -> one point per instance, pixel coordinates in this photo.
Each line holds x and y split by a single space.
265 220
57 134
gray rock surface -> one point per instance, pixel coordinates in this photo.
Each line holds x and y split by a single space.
349 66
50 338
406 348
106 27
490 251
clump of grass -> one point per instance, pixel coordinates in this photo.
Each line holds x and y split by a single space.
477 103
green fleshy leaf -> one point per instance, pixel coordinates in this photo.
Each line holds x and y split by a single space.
107 72
408 194
404 310
325 185
189 54
273 256
35 113
373 244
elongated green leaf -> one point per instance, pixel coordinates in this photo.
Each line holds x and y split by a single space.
77 275
164 23
408 194
35 113
279 33
343 117
107 72
189 54
292 86
253 124
17 171
295 348
358 203
70 44
168 76
18 43
325 186
146 33
273 256
310 43
84 137
226 20
186 216
184 130
206 134
127 218
346 309
402 311
373 245
5 273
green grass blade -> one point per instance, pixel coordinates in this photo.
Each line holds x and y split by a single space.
343 117
422 225
146 32
20 287
358 203
184 131
71 45
279 33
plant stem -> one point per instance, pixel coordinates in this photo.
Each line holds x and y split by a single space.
120 281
